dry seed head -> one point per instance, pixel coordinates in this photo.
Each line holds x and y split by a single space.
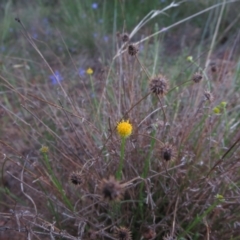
132 50
125 37
159 85
197 77
168 152
76 178
213 67
148 232
168 237
208 96
123 233
111 189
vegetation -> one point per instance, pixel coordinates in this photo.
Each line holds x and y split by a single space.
120 124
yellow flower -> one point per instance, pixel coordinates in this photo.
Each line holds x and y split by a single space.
190 59
220 197
124 128
223 104
89 71
216 110
44 149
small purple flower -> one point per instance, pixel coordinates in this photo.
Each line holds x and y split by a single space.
45 21
141 47
81 72
35 35
94 6
3 48
57 77
105 38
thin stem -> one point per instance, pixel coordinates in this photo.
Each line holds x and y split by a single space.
164 114
120 167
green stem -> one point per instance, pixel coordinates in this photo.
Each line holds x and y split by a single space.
55 181
199 219
120 167
94 94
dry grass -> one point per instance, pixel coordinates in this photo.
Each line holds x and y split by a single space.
175 177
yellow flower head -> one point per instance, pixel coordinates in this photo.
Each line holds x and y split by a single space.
223 104
44 149
190 59
216 110
220 197
124 128
89 71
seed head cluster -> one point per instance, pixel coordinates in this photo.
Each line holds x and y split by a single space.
169 237
132 50
148 232
76 178
125 37
123 233
208 96
168 152
159 85
197 77
111 189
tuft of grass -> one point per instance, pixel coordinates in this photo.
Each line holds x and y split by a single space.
176 173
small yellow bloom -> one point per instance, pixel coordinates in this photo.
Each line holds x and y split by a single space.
89 71
190 59
223 104
216 110
44 149
220 197
124 128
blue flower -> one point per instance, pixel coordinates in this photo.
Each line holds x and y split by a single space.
105 38
81 72
141 47
45 21
94 6
57 77
3 48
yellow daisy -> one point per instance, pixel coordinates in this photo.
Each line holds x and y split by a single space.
89 71
124 128
44 149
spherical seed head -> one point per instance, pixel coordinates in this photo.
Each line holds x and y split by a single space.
123 233
159 85
213 67
76 178
168 152
208 96
197 77
124 129
148 232
125 37
111 189
169 237
132 50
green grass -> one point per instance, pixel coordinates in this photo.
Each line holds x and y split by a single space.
194 195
